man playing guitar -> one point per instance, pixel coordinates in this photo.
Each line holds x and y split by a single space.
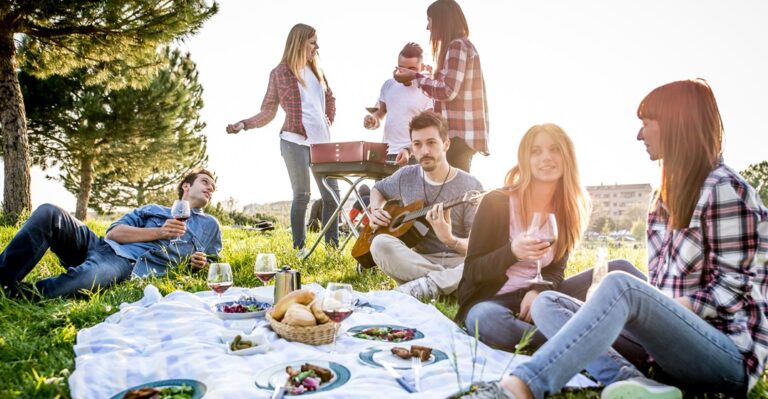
434 266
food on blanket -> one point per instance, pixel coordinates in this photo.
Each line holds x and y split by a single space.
302 297
239 343
401 352
182 392
308 378
317 310
422 352
299 316
240 308
387 334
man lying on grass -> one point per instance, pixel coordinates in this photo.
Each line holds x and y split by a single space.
142 243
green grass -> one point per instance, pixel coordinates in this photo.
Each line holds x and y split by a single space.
36 339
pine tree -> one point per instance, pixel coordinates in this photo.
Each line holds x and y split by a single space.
115 147
116 40
757 175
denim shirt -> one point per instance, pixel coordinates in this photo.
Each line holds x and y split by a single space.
155 257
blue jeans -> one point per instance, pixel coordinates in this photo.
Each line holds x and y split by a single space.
90 262
506 330
684 346
296 159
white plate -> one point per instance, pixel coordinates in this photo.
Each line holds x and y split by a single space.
237 316
374 355
262 344
341 375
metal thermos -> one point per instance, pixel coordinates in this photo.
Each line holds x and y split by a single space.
286 281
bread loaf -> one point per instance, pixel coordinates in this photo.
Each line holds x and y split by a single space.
317 310
300 316
302 297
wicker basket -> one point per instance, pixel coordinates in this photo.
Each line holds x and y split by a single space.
316 335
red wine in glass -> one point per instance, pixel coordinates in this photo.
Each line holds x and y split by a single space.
180 211
219 288
338 315
265 276
543 227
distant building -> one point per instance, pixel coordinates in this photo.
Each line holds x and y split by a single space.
617 199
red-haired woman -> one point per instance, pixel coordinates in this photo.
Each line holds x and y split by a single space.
703 316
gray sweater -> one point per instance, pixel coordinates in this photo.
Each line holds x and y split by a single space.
409 185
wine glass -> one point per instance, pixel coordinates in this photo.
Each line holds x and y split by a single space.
544 227
219 277
265 267
181 212
337 305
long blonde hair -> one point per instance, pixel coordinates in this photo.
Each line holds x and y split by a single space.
295 54
691 142
570 202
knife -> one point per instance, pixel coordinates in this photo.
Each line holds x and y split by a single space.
400 380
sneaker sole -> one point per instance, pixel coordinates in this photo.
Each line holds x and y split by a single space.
634 391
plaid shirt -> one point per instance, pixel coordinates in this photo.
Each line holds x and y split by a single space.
283 89
459 93
719 262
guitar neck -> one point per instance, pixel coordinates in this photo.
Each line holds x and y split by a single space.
423 211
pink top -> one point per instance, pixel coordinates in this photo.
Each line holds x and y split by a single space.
519 273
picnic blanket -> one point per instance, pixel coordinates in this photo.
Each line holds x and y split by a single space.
178 336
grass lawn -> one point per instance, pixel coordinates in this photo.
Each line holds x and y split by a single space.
36 339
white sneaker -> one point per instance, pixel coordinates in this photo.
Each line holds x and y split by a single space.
421 288
640 388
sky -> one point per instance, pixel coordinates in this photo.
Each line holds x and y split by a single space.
584 65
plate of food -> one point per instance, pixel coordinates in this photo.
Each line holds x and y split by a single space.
246 344
243 308
400 357
385 332
304 377
165 389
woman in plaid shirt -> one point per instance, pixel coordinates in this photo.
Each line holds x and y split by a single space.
702 318
457 86
299 87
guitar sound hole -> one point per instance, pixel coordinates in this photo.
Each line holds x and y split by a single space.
397 222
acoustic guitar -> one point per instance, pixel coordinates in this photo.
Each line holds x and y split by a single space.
408 224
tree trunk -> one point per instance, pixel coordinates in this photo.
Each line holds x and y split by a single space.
16 190
86 183
140 195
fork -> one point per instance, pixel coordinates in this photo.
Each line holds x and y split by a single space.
416 367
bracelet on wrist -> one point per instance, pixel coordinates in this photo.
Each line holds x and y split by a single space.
245 126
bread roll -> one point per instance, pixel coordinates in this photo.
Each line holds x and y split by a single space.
317 310
302 297
300 316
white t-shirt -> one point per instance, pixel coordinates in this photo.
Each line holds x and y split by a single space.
403 103
312 112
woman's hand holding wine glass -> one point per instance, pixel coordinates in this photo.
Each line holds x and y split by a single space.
543 227
337 305
220 277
